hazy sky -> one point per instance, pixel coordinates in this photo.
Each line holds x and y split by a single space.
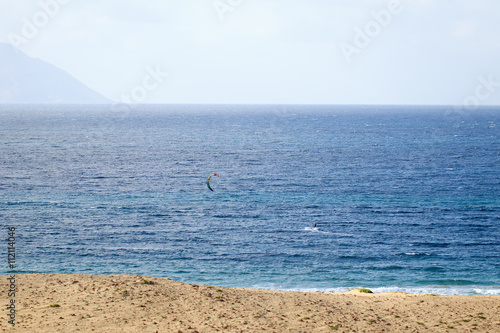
268 51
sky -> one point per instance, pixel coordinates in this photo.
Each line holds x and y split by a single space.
268 51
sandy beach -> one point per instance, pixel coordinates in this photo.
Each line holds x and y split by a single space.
132 303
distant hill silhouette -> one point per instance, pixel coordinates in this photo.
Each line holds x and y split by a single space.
27 80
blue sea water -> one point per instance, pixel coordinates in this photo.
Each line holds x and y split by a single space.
404 198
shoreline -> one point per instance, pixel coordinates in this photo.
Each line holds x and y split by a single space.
441 290
131 303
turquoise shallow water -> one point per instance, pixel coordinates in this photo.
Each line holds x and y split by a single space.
404 198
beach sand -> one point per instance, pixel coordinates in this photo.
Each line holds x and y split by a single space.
132 303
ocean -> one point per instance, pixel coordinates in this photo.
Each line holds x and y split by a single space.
404 198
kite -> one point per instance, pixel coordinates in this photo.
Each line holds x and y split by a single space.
208 181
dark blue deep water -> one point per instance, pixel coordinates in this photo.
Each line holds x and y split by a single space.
404 198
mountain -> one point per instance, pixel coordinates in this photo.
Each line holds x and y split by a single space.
27 80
